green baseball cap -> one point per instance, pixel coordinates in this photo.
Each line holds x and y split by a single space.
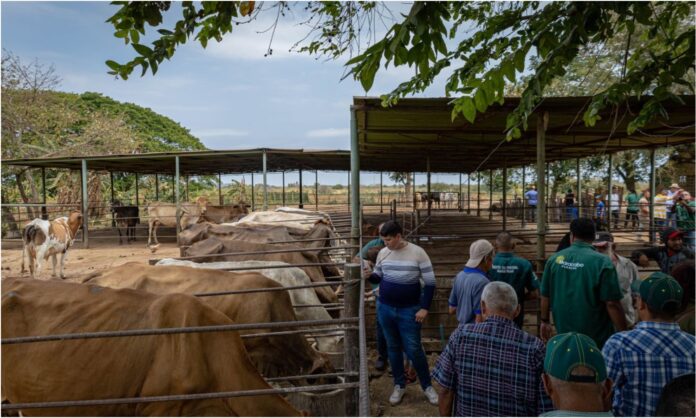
566 352
660 291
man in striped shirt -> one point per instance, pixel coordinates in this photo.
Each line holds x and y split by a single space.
404 305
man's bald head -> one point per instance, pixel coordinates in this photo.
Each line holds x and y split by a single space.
504 241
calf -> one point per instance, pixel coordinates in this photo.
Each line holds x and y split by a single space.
223 214
126 217
165 214
44 238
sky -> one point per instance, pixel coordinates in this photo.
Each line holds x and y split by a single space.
229 95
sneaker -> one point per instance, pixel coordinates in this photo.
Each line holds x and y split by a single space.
397 395
431 395
380 364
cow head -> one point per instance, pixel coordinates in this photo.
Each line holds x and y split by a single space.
74 222
114 204
202 202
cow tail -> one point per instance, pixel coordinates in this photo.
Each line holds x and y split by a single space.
28 234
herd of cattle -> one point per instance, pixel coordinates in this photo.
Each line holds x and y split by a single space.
446 200
231 273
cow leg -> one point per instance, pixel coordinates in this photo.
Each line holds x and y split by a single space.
24 254
120 240
150 224
63 256
40 258
54 260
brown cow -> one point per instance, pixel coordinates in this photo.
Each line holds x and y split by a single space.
274 356
43 239
215 248
165 214
124 367
221 214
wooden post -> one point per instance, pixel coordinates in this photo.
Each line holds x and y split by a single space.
265 183
490 195
351 357
85 205
505 197
524 199
283 187
478 194
177 199
253 195
653 184
111 182
459 198
301 205
316 190
220 199
608 207
137 190
468 193
381 192
578 187
157 187
44 210
429 200
542 121
187 188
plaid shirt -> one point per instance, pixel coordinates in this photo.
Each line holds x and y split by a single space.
642 361
494 369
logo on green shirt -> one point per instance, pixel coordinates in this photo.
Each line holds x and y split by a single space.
560 260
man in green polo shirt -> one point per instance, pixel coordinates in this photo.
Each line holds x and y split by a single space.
632 199
515 271
582 289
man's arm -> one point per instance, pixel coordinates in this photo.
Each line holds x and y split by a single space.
534 294
617 314
445 401
545 329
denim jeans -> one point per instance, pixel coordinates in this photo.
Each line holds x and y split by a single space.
381 339
403 335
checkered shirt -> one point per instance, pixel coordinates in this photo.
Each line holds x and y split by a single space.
494 369
642 361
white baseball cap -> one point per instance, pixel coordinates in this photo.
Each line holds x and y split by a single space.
477 251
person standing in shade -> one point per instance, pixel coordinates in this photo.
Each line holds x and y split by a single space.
626 271
642 361
669 204
575 377
515 271
685 208
600 213
492 368
465 297
644 206
632 201
582 288
531 197
614 206
569 202
404 305
684 274
668 255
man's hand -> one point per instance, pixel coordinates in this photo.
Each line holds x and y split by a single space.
545 331
421 315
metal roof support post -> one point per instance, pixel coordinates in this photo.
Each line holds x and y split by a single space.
220 201
651 224
137 190
609 193
177 200
265 183
548 195
111 182
430 200
316 190
351 343
187 188
578 187
381 192
505 197
468 193
459 200
490 194
478 194
355 179
44 211
283 193
542 122
301 205
156 187
85 205
174 186
349 182
253 195
524 200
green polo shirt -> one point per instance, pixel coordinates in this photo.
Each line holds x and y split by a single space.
578 280
632 200
363 254
685 220
518 273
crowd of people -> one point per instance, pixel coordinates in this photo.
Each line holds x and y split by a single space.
609 343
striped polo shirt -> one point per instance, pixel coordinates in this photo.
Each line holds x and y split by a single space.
399 275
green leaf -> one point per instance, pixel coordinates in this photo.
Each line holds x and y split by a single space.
142 50
135 37
468 109
113 65
520 56
480 100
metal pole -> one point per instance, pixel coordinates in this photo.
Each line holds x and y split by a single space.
354 190
137 190
220 200
381 192
609 193
459 199
490 195
524 200
349 182
468 193
174 199
548 195
177 199
316 190
430 201
265 184
44 211
478 194
578 187
301 205
351 342
85 205
187 188
505 197
283 187
253 195
652 226
156 187
542 121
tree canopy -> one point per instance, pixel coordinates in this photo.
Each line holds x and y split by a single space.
480 47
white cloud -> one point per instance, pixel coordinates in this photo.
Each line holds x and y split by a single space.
328 133
221 132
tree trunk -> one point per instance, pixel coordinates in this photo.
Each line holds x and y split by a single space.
23 194
9 219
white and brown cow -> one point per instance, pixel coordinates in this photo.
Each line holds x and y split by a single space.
43 239
165 214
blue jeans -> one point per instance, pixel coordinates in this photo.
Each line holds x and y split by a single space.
381 339
403 335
